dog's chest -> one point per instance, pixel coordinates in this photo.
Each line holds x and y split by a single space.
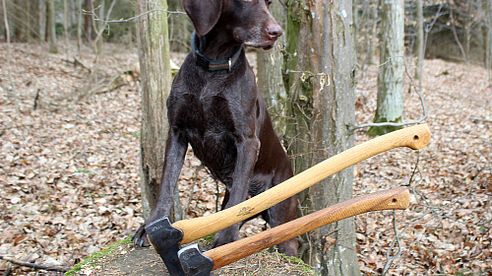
204 115
207 124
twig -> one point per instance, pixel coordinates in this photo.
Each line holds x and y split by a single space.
105 24
402 124
127 20
428 28
391 259
455 34
414 169
396 242
34 265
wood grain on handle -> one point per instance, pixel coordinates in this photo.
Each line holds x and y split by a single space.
415 137
398 198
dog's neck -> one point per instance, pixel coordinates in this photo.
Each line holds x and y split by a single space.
216 52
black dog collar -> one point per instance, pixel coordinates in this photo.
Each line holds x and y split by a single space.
209 64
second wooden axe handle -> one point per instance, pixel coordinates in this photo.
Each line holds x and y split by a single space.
398 198
415 137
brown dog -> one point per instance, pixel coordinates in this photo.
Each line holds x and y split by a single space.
215 107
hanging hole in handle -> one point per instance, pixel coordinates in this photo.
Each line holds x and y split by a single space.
415 137
394 200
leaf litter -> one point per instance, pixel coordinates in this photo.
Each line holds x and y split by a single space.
69 174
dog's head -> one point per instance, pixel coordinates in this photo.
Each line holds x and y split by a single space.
248 21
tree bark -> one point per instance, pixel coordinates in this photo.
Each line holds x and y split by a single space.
80 22
3 30
156 81
373 33
270 81
99 27
391 60
488 39
42 20
7 30
420 45
88 28
66 20
33 11
20 20
320 62
50 26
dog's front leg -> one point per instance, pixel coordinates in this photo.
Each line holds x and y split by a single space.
173 162
247 154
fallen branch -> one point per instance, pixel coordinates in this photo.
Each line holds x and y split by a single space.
36 99
34 265
77 62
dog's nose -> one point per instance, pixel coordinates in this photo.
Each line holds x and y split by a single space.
274 30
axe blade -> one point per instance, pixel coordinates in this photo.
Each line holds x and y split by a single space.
194 263
166 239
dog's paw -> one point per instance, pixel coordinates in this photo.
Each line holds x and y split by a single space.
140 239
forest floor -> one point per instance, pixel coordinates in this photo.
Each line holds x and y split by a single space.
69 165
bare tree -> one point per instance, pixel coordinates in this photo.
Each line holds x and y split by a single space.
488 39
320 63
33 20
88 7
66 20
42 20
50 26
270 80
156 81
420 44
391 60
103 19
80 20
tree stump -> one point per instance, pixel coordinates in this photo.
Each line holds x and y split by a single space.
127 260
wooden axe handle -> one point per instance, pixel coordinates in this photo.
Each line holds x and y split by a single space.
398 198
415 137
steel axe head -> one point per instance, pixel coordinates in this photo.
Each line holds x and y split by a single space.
194 263
166 239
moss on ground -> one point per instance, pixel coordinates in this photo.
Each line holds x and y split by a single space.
96 256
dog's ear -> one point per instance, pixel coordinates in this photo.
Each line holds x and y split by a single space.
203 13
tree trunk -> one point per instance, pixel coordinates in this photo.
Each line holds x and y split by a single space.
320 60
270 82
33 20
88 21
42 20
488 39
390 77
5 23
19 21
79 25
50 26
3 30
420 45
373 33
99 29
66 20
156 80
